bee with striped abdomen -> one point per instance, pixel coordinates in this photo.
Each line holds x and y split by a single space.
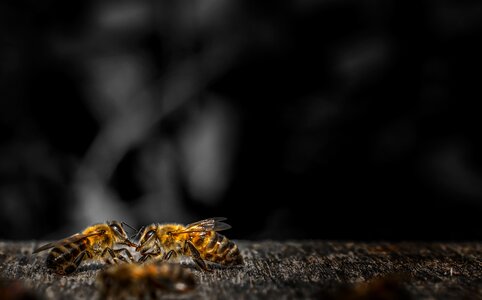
95 242
200 241
141 281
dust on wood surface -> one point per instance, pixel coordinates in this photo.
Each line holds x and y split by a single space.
288 270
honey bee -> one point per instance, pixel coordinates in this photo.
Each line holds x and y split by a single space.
95 242
200 241
141 281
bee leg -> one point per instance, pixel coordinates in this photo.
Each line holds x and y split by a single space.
75 264
127 253
145 256
169 254
104 254
142 259
115 257
196 256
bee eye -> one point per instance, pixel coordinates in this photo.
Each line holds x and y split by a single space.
149 234
116 228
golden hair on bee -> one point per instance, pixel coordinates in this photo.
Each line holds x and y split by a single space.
200 241
139 281
94 242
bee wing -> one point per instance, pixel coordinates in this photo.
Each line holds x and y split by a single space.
71 239
212 224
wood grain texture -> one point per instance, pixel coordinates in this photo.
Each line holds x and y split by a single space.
290 270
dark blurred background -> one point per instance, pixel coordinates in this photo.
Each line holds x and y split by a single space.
294 118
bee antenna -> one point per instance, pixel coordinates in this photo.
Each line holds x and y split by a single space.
138 232
124 223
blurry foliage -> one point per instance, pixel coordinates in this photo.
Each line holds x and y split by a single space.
294 119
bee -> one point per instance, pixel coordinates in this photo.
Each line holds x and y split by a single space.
95 242
200 241
141 281
14 289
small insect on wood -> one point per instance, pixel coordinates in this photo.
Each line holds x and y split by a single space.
141 281
95 242
200 241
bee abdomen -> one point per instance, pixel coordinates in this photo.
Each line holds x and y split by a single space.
223 251
232 255
61 258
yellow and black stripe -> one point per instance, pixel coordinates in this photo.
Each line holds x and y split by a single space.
217 248
63 259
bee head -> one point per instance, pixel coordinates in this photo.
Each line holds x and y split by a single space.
119 233
147 237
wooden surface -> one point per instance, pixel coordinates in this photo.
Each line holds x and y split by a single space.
288 270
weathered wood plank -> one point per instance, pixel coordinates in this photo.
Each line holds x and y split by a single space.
287 270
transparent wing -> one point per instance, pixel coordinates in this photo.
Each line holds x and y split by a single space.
71 239
211 224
